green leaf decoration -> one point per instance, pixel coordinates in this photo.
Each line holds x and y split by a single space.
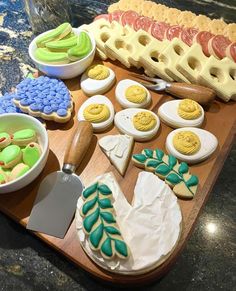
90 190
193 181
172 161
88 205
183 168
140 158
173 178
163 170
108 217
90 220
106 247
112 230
153 163
159 154
105 203
96 236
121 248
104 189
148 153
96 221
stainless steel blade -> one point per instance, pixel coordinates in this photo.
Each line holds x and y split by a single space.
55 204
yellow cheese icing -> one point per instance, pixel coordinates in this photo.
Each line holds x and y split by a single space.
98 72
96 113
136 94
186 142
144 121
189 109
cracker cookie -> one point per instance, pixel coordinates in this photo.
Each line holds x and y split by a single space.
159 12
113 7
230 31
201 22
217 26
147 7
172 15
186 18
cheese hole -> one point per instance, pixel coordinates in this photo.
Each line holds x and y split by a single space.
144 40
105 36
217 74
232 74
194 64
178 50
125 32
120 44
103 26
154 56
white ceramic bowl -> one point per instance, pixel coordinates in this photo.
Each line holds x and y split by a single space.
13 122
66 71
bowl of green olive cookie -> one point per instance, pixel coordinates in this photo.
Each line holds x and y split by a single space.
24 149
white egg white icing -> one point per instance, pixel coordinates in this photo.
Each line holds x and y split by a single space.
151 226
208 145
168 112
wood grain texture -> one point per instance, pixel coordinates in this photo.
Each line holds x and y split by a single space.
220 120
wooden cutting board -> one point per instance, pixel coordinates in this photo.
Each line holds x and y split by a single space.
219 119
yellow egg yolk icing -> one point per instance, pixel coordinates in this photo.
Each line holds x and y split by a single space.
136 94
96 113
186 142
144 121
189 109
98 72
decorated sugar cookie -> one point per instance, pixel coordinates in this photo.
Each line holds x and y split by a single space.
31 154
44 97
140 123
18 171
5 139
3 176
99 111
167 167
131 94
24 136
97 79
99 222
181 113
10 156
118 149
149 241
190 144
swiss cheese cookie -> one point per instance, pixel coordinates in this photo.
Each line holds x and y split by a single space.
44 97
167 167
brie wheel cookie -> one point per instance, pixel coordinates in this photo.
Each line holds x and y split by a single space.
140 123
97 79
118 149
131 94
99 111
195 149
150 241
181 113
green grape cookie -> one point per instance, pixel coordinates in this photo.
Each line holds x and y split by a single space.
24 137
31 154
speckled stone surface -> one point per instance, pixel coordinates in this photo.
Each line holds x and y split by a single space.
208 260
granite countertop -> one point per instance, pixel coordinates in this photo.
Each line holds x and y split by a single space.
208 260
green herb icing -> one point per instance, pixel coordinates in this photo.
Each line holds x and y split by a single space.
99 221
155 162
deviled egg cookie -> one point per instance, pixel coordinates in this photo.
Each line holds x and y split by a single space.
97 79
181 113
99 111
131 94
190 144
140 123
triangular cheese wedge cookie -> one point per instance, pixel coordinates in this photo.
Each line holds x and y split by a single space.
118 149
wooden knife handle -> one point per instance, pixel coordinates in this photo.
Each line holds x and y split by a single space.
200 94
78 143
